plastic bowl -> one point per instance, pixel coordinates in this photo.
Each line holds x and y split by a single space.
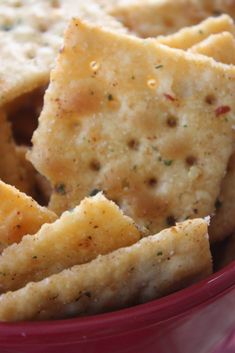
198 319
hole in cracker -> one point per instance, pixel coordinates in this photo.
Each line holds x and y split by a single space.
191 160
95 165
171 121
43 27
30 54
55 4
169 22
210 99
17 3
133 144
151 182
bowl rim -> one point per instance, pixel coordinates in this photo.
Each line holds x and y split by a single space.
124 320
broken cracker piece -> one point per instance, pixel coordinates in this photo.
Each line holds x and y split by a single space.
19 215
139 130
96 226
153 267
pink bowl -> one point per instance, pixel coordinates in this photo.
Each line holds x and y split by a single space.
198 319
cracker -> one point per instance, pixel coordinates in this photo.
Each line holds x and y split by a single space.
219 46
189 36
151 18
19 215
222 48
96 226
139 130
154 267
31 34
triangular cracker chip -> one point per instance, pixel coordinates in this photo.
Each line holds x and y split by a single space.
95 227
19 215
154 267
189 36
119 116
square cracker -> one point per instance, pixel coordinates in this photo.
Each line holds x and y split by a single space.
189 36
151 18
220 47
96 226
31 33
153 267
119 111
19 215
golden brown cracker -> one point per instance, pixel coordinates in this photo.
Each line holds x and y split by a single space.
137 128
19 215
155 266
96 226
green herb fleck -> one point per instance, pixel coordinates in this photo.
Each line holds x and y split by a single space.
159 67
110 97
185 125
60 189
168 162
218 204
160 253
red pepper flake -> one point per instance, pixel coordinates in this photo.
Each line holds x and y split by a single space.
168 96
222 110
